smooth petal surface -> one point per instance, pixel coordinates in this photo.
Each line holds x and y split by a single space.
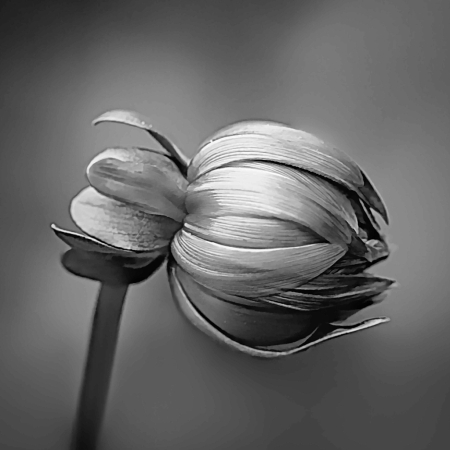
258 324
271 191
251 272
250 232
138 120
148 180
322 334
120 225
265 141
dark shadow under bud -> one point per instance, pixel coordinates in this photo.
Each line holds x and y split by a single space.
108 270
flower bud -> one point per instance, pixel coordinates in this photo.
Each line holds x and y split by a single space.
278 234
269 232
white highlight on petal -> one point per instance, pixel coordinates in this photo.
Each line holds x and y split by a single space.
250 232
274 191
269 141
251 272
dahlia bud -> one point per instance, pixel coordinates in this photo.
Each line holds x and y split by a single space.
278 234
269 231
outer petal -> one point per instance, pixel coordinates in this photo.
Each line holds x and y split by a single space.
251 272
267 141
322 334
149 180
120 225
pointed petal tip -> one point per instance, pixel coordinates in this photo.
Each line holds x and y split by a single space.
123 116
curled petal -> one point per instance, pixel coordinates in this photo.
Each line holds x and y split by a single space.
265 141
119 224
250 272
148 180
138 120
322 334
250 232
271 191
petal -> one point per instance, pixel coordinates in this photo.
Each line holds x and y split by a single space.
125 258
89 244
250 272
322 334
271 191
265 141
119 224
148 180
332 291
250 232
377 251
260 324
138 120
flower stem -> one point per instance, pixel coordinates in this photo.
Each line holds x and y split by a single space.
97 372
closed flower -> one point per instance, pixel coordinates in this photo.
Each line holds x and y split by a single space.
268 231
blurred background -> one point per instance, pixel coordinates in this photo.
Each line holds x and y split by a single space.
370 76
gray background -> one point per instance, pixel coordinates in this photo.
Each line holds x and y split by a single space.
370 76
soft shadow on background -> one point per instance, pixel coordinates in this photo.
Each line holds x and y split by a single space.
370 76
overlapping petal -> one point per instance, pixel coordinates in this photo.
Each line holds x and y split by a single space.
250 272
331 291
323 333
119 224
263 141
257 324
268 190
145 179
250 232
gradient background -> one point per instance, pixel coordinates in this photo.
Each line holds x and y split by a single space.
370 76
